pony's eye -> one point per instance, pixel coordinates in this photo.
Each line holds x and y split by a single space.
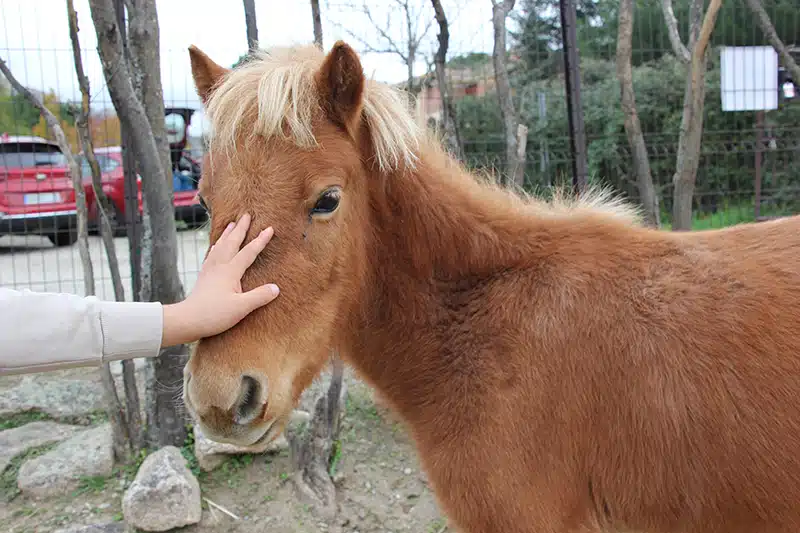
327 202
203 204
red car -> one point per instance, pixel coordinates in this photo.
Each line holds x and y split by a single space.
36 195
185 202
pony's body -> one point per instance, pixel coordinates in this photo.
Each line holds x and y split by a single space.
560 367
577 372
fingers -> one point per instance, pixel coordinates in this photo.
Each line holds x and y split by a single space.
231 239
260 296
212 256
248 254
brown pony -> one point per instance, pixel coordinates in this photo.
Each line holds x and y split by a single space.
561 367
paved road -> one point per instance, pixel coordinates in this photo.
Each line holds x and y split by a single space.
30 262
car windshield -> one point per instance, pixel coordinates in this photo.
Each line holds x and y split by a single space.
27 155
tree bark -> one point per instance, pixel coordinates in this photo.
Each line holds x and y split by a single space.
143 46
681 52
515 166
317 17
691 135
633 129
165 423
448 118
312 451
250 23
769 31
127 437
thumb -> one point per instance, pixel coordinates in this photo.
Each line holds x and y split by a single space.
260 296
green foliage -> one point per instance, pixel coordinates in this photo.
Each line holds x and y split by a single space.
472 59
727 160
20 419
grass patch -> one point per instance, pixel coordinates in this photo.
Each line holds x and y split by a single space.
91 484
8 479
727 215
16 420
20 419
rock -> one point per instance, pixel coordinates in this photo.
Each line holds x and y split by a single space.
211 454
58 398
299 417
87 454
111 527
165 495
16 441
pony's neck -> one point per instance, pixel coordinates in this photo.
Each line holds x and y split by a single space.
441 243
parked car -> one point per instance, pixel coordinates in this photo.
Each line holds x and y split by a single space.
36 194
185 201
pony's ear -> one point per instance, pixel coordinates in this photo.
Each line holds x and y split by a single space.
340 81
205 72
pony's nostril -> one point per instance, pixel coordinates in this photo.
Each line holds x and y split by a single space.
248 405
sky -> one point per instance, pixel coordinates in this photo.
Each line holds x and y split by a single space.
34 39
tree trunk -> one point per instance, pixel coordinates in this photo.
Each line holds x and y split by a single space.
633 129
672 31
313 451
317 16
515 168
165 424
250 23
163 419
449 124
691 135
131 430
769 31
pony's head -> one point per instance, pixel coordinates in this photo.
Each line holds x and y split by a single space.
298 139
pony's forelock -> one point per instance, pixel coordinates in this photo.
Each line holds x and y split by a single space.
273 94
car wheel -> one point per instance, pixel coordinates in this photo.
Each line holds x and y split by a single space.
64 237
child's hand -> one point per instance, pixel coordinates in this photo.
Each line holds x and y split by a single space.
217 302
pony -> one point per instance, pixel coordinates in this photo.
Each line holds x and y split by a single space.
560 366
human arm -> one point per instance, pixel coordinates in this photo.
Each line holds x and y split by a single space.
45 331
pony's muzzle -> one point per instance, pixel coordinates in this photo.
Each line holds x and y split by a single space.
249 405
227 408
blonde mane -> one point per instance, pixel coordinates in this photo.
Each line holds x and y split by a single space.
275 92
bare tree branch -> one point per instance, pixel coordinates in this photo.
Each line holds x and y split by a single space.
250 24
769 31
515 164
406 48
633 129
74 170
688 158
681 52
317 17
131 429
448 118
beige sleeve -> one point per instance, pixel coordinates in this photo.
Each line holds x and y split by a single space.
45 331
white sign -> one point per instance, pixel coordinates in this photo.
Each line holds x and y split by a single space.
749 78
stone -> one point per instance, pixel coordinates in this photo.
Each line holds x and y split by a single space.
18 440
89 453
211 454
58 398
111 527
164 495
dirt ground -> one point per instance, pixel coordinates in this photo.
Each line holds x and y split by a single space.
380 488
